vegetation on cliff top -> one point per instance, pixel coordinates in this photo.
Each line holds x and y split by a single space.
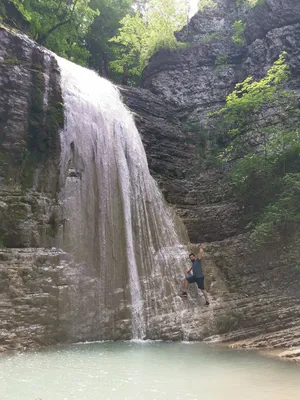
141 35
114 37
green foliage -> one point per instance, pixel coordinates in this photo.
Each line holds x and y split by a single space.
11 61
283 215
202 4
238 32
266 177
258 178
115 37
141 35
59 25
207 144
249 97
249 3
104 27
211 36
221 59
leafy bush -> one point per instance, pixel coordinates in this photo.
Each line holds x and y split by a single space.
238 28
244 105
282 217
203 4
61 26
260 122
141 35
250 3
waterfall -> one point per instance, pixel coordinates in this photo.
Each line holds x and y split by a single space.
126 241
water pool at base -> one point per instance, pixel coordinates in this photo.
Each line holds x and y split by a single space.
146 371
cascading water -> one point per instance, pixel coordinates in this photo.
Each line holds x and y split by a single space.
126 241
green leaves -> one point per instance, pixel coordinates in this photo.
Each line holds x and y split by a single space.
61 25
104 27
203 4
249 3
260 119
284 213
120 34
133 36
249 97
238 32
142 35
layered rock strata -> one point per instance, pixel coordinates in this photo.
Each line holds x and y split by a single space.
255 294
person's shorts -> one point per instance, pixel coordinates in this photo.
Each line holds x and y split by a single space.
199 281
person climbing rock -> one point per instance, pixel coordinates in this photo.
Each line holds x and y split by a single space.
197 274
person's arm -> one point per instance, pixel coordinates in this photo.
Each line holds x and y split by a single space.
201 253
188 271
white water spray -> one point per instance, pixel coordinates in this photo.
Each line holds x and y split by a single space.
116 222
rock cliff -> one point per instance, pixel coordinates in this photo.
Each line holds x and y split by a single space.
188 84
256 293
31 115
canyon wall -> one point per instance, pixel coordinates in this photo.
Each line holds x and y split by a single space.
255 293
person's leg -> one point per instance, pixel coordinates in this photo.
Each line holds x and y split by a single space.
200 283
205 295
185 285
187 280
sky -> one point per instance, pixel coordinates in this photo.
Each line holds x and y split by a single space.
194 7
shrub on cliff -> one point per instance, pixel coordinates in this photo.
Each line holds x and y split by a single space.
142 34
260 122
59 25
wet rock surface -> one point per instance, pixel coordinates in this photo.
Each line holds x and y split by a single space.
255 294
255 300
293 354
46 299
30 287
30 120
260 305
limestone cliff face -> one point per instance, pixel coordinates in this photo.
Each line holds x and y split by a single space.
31 115
255 293
186 85
192 82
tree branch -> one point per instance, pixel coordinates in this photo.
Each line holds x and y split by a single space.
44 37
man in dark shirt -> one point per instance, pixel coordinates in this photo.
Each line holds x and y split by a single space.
197 276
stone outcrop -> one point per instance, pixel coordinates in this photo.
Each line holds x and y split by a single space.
30 118
46 298
202 199
32 297
255 294
255 299
293 354
192 82
261 305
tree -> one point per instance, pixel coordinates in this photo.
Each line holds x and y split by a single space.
103 28
141 35
241 114
61 25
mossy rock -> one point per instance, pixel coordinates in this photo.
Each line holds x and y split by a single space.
11 61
